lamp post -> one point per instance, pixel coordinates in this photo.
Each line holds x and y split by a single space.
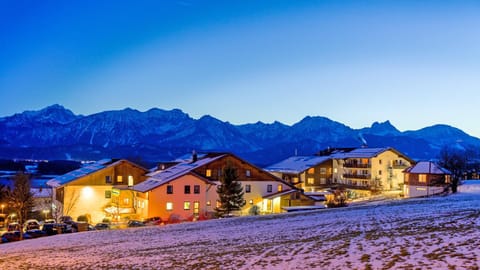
46 213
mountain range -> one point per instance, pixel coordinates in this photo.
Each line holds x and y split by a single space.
161 135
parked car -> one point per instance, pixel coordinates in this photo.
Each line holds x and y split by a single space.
54 228
72 226
102 226
31 224
153 221
14 226
13 236
135 223
36 233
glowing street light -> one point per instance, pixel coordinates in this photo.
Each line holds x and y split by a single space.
3 206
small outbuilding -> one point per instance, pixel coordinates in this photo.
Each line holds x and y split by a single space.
426 178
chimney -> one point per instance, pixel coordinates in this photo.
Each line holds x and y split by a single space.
194 156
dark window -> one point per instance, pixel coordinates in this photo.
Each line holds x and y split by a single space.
187 189
108 194
248 188
108 179
169 189
269 188
196 189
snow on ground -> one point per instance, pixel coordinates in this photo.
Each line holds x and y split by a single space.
427 233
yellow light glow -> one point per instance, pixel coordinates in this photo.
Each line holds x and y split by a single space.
87 192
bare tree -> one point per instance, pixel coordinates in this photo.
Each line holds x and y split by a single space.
21 198
455 161
69 204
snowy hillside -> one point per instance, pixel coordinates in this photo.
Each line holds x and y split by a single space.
432 233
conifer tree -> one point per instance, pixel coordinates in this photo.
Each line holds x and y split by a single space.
230 192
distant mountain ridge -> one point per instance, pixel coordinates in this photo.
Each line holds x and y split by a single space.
57 133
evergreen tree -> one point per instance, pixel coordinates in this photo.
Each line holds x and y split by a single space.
21 198
230 192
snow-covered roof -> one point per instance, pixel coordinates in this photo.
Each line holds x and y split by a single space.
161 177
427 167
297 164
361 153
280 193
86 170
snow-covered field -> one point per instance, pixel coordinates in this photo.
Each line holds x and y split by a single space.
432 233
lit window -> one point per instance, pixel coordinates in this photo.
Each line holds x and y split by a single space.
169 206
187 189
247 173
119 179
186 206
279 188
248 188
126 200
310 180
422 178
311 171
169 189
335 170
323 170
269 188
196 189
208 173
130 180
218 204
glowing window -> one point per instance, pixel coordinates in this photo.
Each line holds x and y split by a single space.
311 171
130 180
422 178
119 179
310 180
186 205
169 206
208 173
279 188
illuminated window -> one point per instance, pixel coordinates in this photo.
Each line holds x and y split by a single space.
311 171
169 206
119 179
248 188
335 170
169 189
269 188
126 200
208 173
187 189
422 178
130 180
323 170
295 180
310 180
196 189
186 205
218 204
196 206
247 173
279 188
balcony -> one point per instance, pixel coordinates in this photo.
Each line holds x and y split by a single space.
399 165
357 176
357 165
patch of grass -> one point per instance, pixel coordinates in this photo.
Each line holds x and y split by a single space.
365 258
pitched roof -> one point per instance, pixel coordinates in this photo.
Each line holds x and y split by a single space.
297 164
427 167
361 153
162 177
86 170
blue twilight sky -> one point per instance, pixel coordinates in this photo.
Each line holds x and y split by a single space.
415 63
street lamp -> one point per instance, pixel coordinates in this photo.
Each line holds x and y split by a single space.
46 213
3 206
